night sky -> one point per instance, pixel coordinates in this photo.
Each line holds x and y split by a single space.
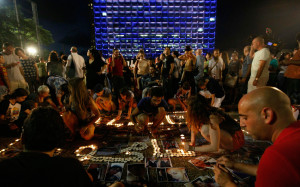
236 21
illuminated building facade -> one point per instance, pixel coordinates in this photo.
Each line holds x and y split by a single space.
154 24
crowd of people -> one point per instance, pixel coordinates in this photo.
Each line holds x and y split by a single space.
83 90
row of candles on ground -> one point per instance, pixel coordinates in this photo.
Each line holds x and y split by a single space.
179 153
112 122
130 151
2 151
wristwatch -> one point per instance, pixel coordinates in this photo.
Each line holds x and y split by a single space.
256 79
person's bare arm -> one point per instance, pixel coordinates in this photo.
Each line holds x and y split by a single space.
103 68
214 145
259 71
95 111
22 71
7 82
213 96
134 113
291 62
37 72
182 57
252 52
241 167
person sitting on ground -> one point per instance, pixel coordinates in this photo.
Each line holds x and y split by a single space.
181 97
83 112
150 109
10 109
210 88
104 102
58 89
43 132
126 98
43 97
266 113
99 90
217 127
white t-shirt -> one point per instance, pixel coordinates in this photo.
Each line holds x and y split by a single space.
13 73
263 54
217 69
78 62
13 112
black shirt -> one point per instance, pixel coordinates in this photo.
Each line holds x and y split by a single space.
167 65
39 169
214 88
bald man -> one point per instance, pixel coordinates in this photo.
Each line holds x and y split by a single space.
259 68
266 113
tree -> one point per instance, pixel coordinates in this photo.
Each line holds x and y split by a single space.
9 29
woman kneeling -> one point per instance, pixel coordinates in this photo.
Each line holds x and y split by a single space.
217 127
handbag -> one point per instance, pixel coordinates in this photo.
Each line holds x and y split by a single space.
230 81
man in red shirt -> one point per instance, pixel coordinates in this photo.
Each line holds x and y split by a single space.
116 65
266 113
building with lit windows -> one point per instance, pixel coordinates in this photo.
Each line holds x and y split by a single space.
153 24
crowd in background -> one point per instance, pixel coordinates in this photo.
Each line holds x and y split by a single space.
115 86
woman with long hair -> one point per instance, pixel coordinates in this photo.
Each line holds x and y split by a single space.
217 127
83 112
95 68
54 66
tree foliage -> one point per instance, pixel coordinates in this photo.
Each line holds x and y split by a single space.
9 29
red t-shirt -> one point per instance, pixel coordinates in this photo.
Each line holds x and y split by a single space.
117 70
280 163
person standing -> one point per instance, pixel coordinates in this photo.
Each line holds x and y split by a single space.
116 65
199 65
260 64
31 71
78 64
190 64
167 69
42 67
54 66
14 69
95 67
215 66
246 69
292 74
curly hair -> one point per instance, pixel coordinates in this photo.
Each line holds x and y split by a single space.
198 112
79 98
53 57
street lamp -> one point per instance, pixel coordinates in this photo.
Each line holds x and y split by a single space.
32 51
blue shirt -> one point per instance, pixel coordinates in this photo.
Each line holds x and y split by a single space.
146 107
247 61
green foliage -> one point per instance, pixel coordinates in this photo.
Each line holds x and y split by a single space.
9 29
